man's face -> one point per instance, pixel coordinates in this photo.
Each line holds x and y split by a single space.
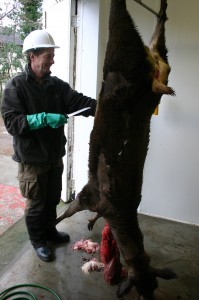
41 64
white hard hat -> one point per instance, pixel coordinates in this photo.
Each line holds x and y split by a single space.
38 39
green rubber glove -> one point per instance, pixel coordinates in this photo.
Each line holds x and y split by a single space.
56 120
43 119
37 121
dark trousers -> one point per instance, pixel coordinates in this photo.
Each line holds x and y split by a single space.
41 185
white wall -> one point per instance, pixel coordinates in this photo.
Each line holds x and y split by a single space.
87 59
170 188
171 174
57 23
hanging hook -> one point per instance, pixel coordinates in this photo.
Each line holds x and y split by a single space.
147 7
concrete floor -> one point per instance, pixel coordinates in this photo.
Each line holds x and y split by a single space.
170 244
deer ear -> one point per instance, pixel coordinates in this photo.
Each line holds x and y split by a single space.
165 273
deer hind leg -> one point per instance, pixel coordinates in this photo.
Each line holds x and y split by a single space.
158 41
159 52
85 200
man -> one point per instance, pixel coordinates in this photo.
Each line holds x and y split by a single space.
34 109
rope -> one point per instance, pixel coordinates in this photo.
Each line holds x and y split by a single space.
147 7
6 293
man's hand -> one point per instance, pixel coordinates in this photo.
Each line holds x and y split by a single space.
56 120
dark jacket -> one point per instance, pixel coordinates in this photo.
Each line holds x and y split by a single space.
22 96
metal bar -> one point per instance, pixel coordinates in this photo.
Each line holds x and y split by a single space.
147 7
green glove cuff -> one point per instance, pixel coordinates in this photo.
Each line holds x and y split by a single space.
37 121
56 120
41 120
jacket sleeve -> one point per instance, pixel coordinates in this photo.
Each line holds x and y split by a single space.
74 101
13 112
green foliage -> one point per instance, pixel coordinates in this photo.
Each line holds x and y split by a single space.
30 15
11 60
26 16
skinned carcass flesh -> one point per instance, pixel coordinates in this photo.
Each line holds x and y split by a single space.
110 256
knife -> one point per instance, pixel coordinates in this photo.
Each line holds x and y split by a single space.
77 112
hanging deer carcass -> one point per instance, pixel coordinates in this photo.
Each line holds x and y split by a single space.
134 79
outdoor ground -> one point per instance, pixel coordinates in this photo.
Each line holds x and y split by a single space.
5 141
11 202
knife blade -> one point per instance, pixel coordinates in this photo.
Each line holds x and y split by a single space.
77 112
